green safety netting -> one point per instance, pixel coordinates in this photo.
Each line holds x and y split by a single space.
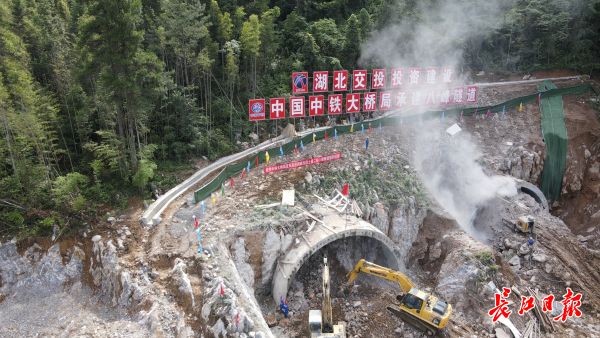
236 168
555 138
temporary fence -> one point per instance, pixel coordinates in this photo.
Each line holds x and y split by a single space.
555 138
288 148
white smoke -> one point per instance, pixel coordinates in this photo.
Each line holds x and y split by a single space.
448 168
436 35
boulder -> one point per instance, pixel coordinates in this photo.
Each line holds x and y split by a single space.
539 257
524 249
515 261
308 177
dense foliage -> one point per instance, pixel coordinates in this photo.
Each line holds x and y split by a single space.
95 93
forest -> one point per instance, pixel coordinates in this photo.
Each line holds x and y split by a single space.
100 98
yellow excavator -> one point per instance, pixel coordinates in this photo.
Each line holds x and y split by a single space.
420 309
320 322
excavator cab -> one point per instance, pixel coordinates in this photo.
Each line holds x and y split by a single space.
423 310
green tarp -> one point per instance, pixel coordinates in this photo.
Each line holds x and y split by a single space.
555 138
236 168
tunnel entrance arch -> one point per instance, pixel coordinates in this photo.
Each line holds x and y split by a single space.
308 243
533 191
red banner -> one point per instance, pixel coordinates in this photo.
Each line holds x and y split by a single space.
302 163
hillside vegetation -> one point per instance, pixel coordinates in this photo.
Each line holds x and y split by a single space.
98 96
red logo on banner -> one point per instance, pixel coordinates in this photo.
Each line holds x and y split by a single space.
399 99
378 79
359 80
334 104
302 163
340 80
370 101
471 94
385 101
315 105
414 76
297 106
320 82
396 77
256 110
277 108
299 82
352 103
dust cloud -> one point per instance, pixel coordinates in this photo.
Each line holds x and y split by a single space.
448 168
436 36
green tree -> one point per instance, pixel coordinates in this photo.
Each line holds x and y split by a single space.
250 45
111 37
351 41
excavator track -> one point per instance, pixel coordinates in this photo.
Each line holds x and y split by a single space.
429 329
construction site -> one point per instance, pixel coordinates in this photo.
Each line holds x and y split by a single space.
412 233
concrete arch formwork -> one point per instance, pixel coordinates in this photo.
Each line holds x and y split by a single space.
533 191
308 243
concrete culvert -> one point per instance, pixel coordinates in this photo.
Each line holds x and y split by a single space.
369 241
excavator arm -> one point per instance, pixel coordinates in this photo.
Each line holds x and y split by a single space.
382 272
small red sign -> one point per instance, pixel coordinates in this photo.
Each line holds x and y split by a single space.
315 105
277 108
340 80
320 82
256 110
335 104
300 82
353 103
359 79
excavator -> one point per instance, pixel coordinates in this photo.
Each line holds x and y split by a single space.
320 322
420 309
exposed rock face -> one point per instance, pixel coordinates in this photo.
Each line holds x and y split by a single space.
240 258
401 225
46 297
182 283
274 245
380 217
106 272
221 302
37 268
524 164
459 269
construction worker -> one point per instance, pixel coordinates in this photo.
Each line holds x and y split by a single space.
283 307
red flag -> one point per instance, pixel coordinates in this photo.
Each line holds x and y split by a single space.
222 291
326 136
346 189
196 223
231 183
